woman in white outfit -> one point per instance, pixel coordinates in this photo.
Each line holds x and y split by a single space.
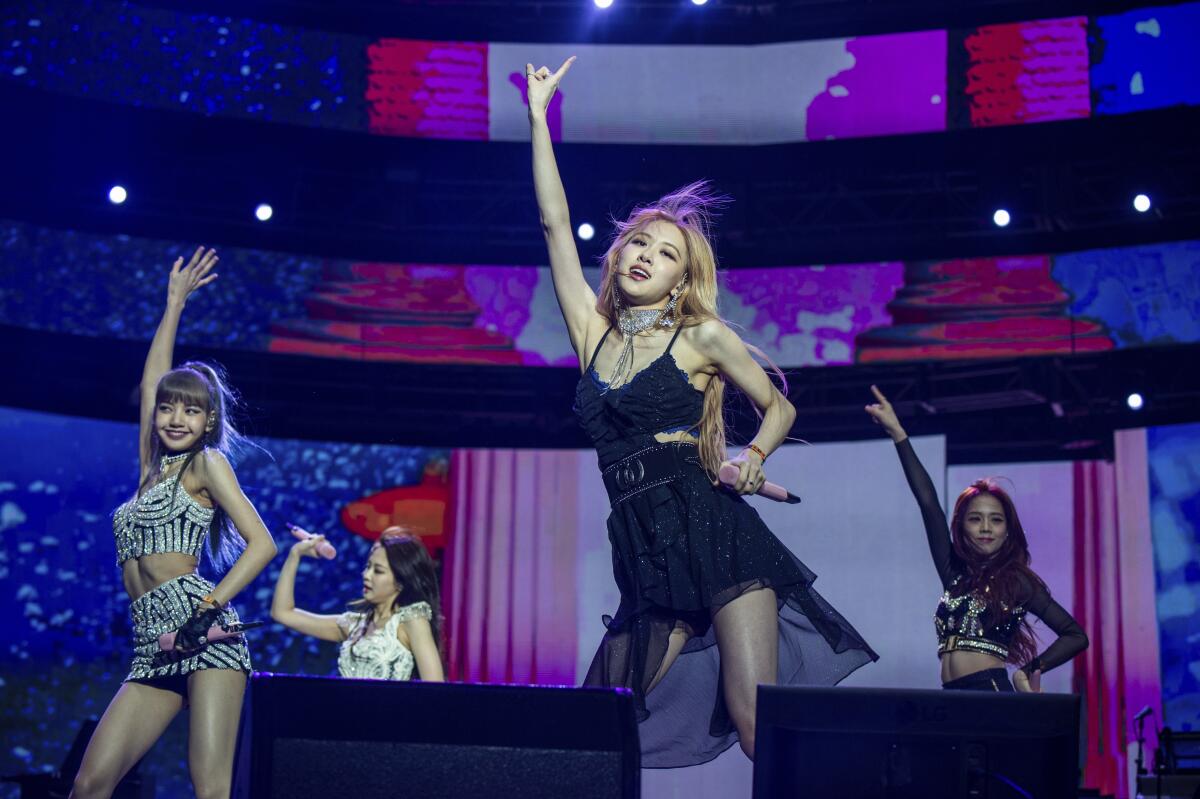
394 629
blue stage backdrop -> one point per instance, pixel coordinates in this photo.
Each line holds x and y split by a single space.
66 635
1174 454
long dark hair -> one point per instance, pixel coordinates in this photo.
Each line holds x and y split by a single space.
413 569
1002 580
203 385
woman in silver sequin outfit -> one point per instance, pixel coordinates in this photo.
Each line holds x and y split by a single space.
187 494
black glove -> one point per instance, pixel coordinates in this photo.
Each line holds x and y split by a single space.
193 634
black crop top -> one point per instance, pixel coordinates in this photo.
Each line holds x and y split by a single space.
962 619
625 419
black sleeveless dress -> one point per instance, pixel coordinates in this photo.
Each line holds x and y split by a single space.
682 549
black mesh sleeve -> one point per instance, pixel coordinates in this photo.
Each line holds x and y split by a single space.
936 529
1071 638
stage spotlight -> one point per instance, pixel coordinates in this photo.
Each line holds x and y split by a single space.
699 2
603 3
1001 217
117 195
586 232
1135 401
1141 203
263 212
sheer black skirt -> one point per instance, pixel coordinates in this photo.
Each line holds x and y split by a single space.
681 550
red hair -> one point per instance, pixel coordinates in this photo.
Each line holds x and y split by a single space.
1003 580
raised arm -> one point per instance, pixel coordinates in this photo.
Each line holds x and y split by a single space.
576 299
936 529
217 478
727 352
283 603
182 282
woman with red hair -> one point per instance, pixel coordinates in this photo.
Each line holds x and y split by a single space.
982 558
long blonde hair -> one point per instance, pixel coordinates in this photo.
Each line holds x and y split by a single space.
691 209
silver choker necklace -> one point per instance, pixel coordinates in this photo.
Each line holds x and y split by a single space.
631 321
168 460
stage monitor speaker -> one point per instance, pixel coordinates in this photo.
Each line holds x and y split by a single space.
1169 786
872 743
329 737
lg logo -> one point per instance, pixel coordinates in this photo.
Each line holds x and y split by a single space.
910 713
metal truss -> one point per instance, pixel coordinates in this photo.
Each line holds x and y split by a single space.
1047 408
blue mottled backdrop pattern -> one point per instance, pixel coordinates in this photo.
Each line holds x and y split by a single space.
1174 455
206 64
41 287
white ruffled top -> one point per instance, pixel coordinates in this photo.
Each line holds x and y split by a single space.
378 654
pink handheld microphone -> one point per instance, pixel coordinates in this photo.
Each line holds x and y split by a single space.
324 548
729 475
166 641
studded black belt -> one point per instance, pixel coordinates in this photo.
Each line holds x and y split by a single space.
647 468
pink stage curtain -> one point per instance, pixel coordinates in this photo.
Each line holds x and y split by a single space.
509 579
1114 601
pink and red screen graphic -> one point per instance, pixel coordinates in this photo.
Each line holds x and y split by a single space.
980 308
424 89
1027 72
799 316
422 313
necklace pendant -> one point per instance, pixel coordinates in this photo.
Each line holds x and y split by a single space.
168 460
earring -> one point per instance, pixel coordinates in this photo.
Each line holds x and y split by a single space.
668 314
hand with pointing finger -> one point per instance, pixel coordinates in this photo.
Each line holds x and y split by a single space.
542 83
882 413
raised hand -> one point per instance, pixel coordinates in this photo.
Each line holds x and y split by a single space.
542 83
314 546
308 547
882 414
186 279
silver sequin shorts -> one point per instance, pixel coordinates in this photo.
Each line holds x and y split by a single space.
165 609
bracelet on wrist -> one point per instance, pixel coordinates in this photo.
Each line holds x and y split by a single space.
762 456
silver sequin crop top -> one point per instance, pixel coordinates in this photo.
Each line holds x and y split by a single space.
164 519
